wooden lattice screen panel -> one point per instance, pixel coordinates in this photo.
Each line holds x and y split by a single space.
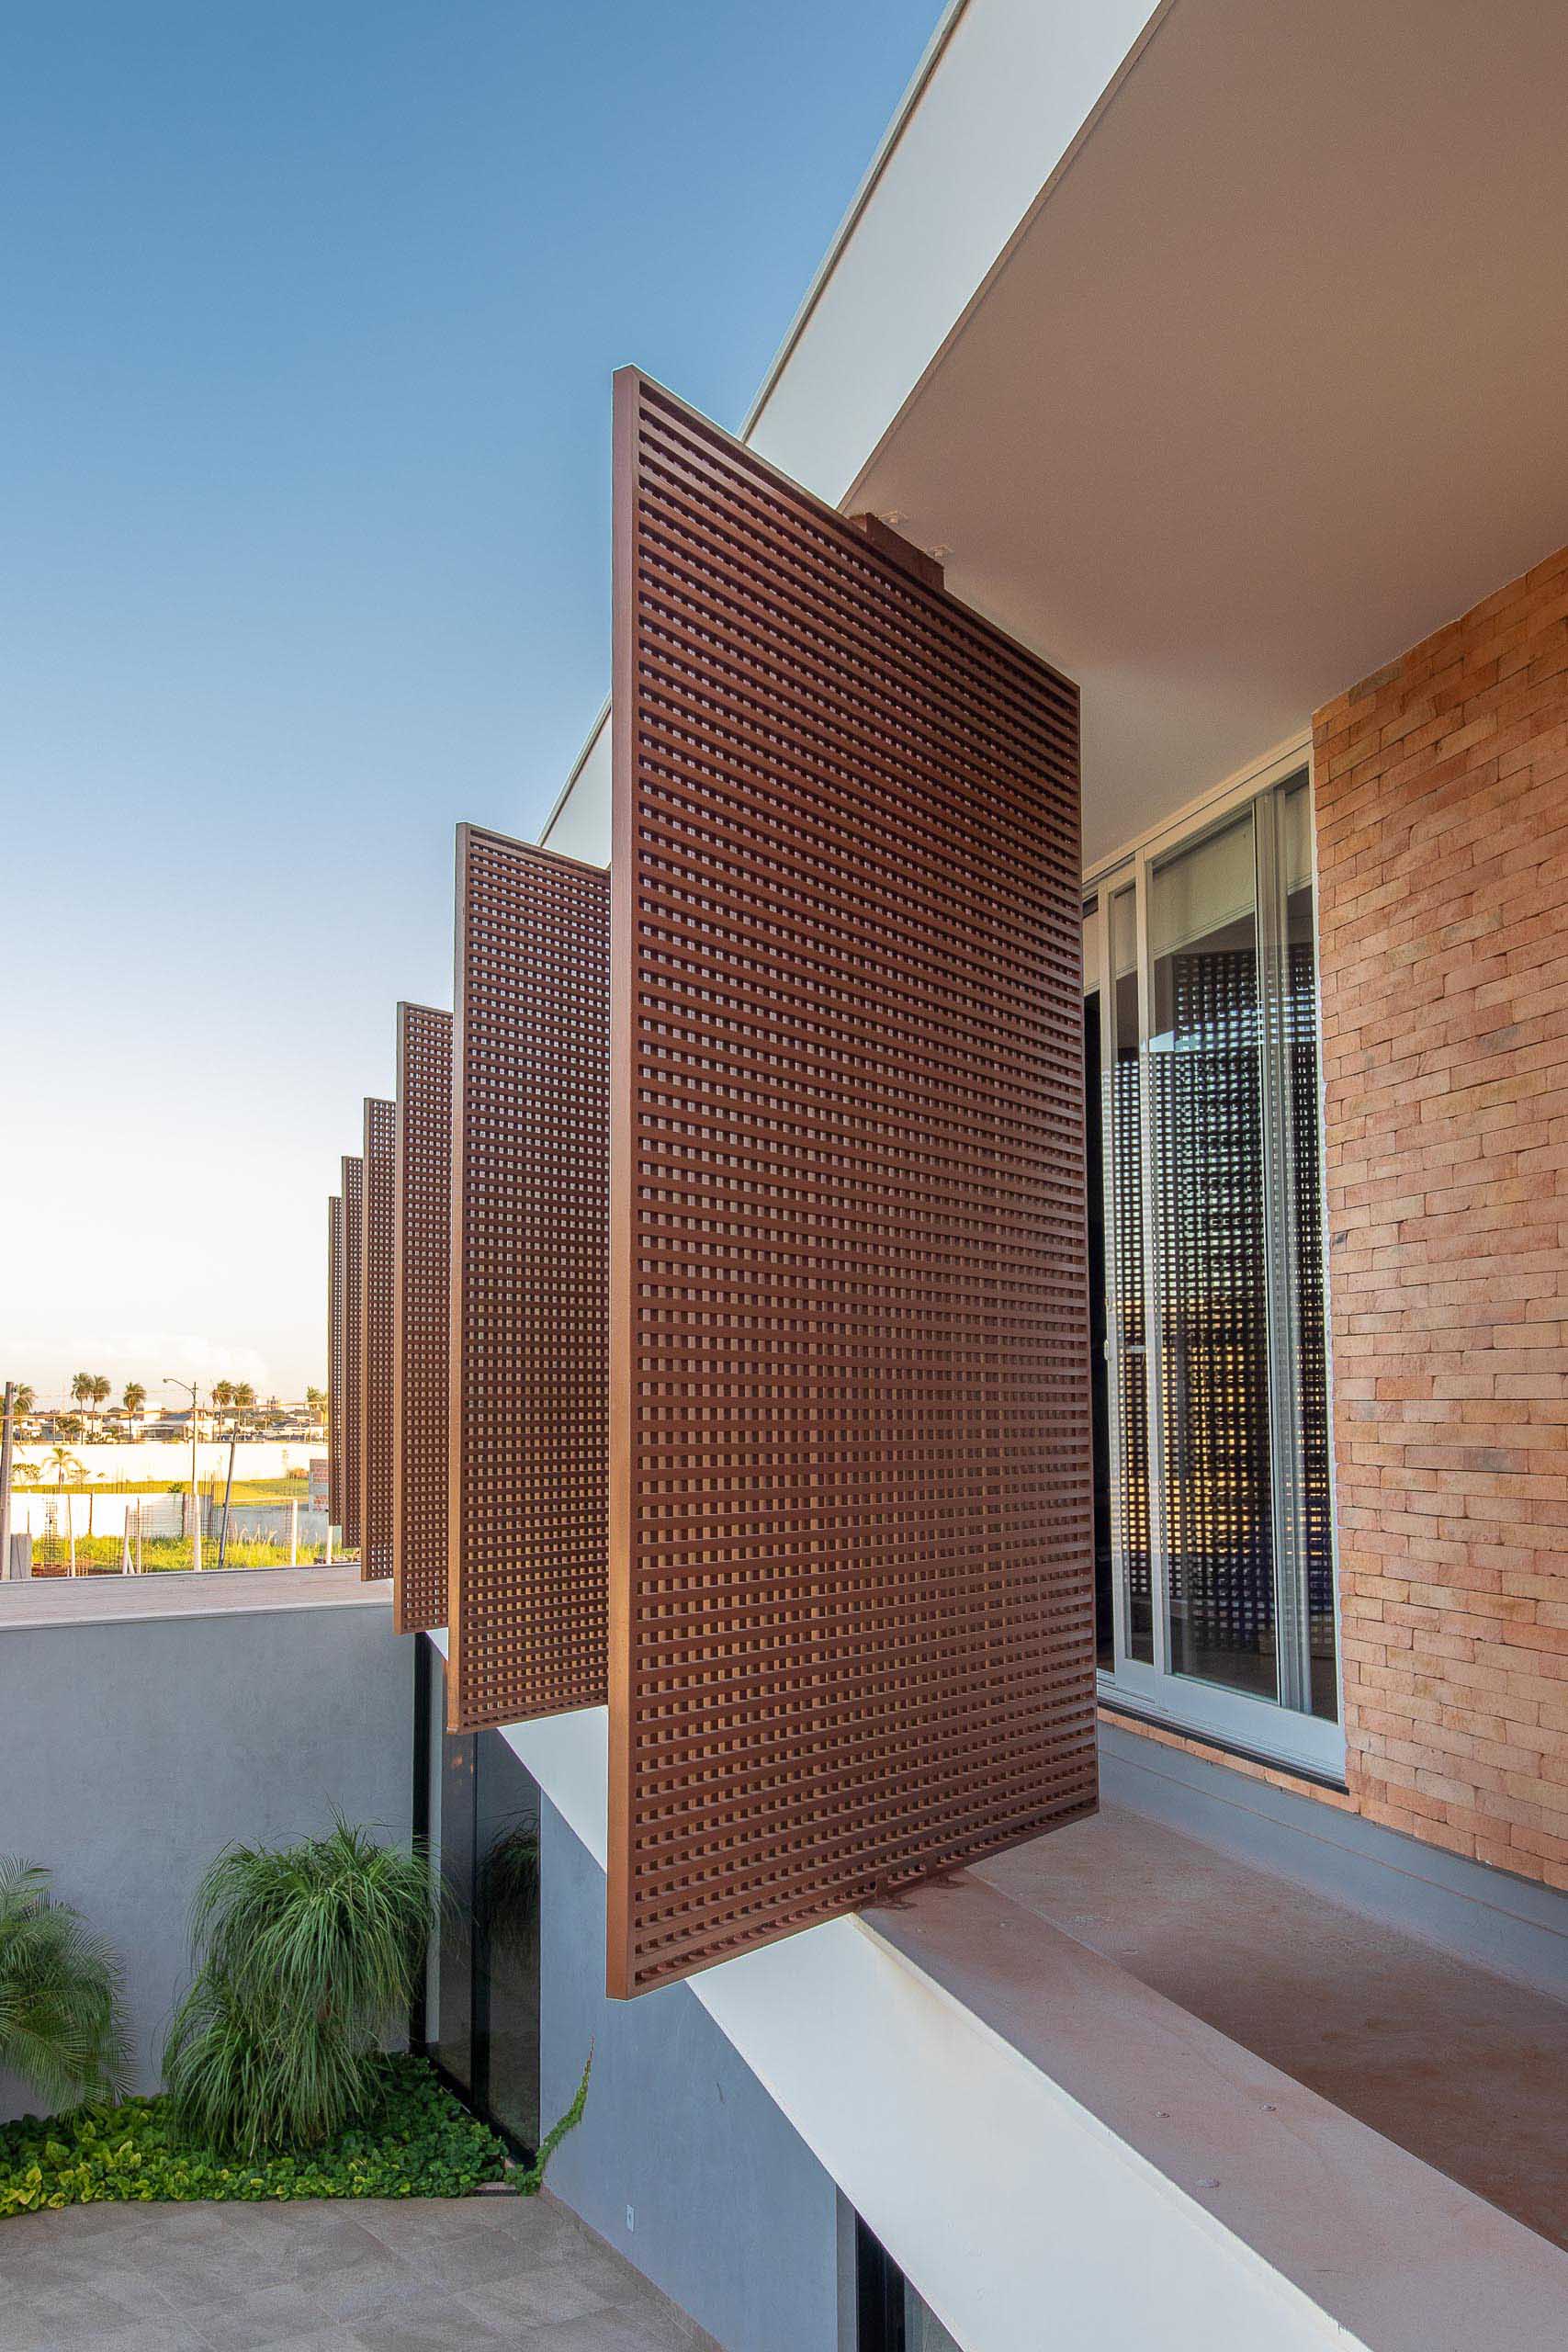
851 1589
334 1357
422 1237
353 1347
375 1360
530 1273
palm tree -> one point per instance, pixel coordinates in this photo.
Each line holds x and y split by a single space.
316 1404
134 1397
66 1467
65 1464
81 1388
22 1401
100 1396
245 1402
222 1394
61 2023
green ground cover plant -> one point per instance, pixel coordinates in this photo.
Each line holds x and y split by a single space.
278 2083
414 2139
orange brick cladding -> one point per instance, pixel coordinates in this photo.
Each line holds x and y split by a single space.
1442 824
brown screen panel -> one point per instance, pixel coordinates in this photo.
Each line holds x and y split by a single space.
375 1360
530 1260
349 1378
421 1229
335 1356
851 1591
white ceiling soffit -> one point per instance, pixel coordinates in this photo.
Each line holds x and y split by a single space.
998 101
1272 382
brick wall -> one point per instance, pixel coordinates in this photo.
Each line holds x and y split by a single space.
1442 816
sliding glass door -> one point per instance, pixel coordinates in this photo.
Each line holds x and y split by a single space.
1211 1390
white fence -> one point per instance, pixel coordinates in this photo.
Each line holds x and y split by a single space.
170 1462
58 1517
63 1515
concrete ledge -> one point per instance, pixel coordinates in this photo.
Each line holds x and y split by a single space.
1376 2242
1486 1916
181 1592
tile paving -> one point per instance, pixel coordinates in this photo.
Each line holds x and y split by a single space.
385 2276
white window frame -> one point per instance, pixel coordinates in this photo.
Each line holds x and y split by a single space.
1180 1702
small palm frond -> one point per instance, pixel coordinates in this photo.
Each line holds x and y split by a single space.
62 1991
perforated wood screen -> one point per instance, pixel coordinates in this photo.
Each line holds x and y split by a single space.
349 1378
376 1364
421 1236
530 1241
851 1591
334 1357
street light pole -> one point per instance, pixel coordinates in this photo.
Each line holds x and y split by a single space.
172 1381
6 1478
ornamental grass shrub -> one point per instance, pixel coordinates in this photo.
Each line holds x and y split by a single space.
307 1957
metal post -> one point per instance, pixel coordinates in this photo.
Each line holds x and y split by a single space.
294 1534
5 1438
171 1379
228 1490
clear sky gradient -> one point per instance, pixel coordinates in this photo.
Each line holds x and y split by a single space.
309 319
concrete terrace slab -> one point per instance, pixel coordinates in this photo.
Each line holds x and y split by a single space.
181 1592
1462 2068
1190 2007
329 2277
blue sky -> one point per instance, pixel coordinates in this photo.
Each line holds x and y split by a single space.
308 320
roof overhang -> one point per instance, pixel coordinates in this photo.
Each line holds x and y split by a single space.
1272 381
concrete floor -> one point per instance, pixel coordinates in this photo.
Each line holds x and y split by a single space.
1462 2068
176 1592
420 2276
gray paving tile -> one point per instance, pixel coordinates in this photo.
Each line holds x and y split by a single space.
421 2275
651 2327
552 2291
72 2318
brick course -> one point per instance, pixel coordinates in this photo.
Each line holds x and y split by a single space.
1441 786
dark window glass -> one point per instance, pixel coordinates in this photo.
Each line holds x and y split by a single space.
1099 1401
481 2014
507 1905
1312 1352
452 2026
1131 1499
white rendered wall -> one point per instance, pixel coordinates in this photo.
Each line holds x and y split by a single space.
169 1460
1016 2213
1012 90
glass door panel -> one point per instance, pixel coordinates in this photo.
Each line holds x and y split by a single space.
1308 1333
1130 1513
1094 1137
1209 1210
